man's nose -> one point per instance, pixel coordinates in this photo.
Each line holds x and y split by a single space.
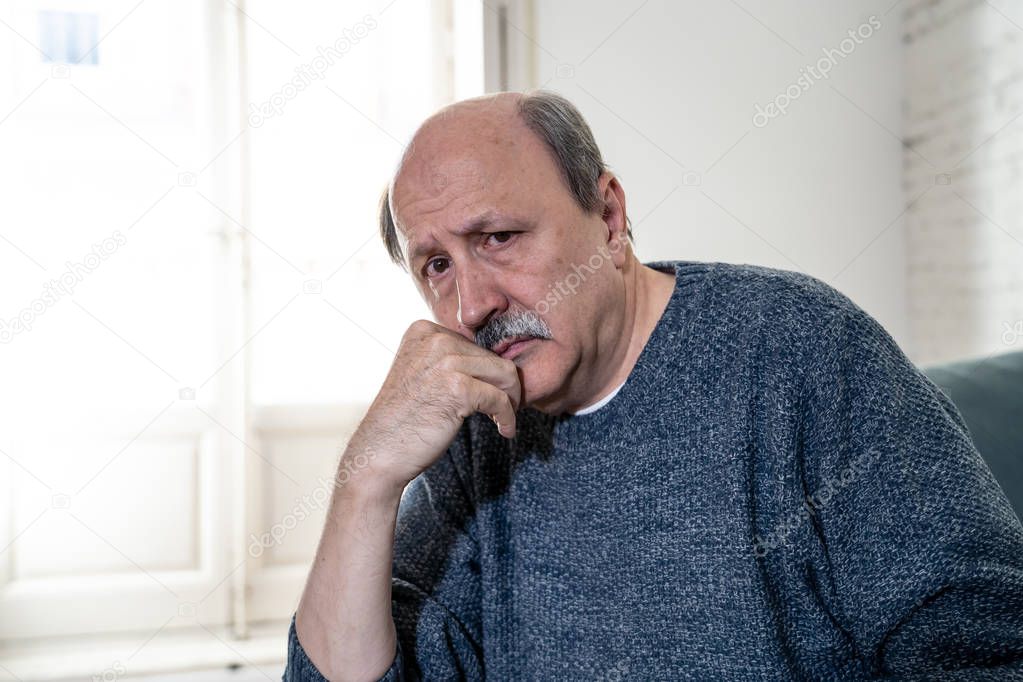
478 299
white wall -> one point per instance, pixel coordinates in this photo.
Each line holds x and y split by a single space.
964 97
670 89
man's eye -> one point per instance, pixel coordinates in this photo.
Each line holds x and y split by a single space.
500 237
436 266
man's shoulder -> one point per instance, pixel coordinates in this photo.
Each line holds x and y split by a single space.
772 289
803 317
747 294
782 313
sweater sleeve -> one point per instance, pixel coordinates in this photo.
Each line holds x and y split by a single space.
923 554
435 583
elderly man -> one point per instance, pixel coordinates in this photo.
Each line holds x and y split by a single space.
678 470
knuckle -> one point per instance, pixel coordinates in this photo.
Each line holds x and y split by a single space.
511 368
436 343
421 326
418 329
458 385
448 363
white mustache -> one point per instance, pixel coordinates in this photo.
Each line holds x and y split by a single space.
527 323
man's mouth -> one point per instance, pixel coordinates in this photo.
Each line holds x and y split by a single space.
512 346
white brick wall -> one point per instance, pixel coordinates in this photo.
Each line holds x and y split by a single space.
964 160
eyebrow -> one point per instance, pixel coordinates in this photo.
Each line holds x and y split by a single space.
486 219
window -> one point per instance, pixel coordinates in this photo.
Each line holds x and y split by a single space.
195 307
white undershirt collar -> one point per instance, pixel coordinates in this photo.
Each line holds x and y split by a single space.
600 403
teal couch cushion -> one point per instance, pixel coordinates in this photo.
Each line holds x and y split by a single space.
989 394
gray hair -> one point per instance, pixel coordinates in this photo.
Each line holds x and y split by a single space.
562 127
526 323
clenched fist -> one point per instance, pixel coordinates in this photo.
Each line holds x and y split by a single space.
438 378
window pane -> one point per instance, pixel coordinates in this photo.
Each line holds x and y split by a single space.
109 252
332 102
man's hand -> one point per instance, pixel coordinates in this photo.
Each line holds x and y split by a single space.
438 378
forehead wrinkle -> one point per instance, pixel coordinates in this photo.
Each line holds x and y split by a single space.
416 247
488 217
434 204
435 185
454 158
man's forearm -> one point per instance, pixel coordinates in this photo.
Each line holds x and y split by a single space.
344 621
344 618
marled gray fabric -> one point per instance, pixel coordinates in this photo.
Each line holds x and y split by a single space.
776 493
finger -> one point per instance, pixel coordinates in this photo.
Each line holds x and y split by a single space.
493 369
493 402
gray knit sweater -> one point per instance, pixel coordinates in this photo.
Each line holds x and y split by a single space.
776 493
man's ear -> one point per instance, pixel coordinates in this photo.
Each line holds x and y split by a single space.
613 215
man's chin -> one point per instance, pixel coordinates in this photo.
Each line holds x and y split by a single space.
541 382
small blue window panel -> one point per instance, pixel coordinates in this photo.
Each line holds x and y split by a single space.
69 37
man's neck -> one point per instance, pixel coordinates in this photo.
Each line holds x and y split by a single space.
647 292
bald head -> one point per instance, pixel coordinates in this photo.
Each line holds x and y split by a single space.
455 145
457 128
534 129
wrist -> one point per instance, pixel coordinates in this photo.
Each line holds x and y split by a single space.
360 478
